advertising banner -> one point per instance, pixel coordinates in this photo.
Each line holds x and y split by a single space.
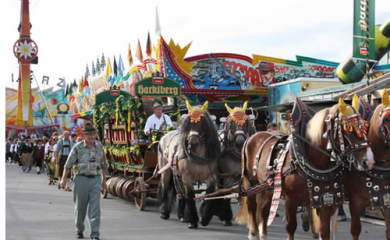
360 25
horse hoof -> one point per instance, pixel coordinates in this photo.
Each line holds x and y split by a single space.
192 225
315 235
203 223
305 225
164 216
227 223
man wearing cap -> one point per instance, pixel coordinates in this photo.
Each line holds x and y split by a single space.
61 153
89 165
267 73
158 120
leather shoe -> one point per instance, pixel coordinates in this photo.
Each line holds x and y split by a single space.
95 238
79 235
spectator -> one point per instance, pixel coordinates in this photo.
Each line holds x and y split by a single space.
27 159
50 166
8 155
272 127
15 151
38 154
62 150
33 136
73 137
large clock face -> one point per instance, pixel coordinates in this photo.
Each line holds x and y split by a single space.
25 49
62 108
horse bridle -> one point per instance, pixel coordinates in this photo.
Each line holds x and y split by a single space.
237 133
383 128
192 156
345 152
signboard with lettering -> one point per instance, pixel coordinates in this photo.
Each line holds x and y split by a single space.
158 87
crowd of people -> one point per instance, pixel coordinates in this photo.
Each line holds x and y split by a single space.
65 157
45 154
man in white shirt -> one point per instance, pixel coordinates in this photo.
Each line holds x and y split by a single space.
33 136
158 120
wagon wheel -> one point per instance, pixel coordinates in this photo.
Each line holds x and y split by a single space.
140 193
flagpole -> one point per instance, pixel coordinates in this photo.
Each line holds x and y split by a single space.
368 50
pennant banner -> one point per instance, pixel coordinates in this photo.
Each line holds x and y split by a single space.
361 24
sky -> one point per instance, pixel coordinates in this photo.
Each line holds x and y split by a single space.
72 33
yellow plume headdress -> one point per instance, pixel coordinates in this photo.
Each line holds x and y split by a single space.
238 114
352 124
195 113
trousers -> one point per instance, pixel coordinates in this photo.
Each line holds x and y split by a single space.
86 195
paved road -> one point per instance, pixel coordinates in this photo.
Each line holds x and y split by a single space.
36 211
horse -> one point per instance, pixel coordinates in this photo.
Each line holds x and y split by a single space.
359 183
189 155
295 185
238 128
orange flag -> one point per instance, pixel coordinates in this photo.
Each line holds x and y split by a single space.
149 47
130 57
138 53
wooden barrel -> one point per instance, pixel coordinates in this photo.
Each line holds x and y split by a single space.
110 185
126 189
119 186
114 184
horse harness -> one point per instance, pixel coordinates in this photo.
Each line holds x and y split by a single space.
176 157
229 148
378 189
326 186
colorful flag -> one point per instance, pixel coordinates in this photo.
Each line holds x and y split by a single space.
138 53
148 47
115 68
121 68
86 83
70 92
81 85
67 90
158 27
109 69
130 57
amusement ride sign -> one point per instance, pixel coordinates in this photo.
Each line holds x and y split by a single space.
158 87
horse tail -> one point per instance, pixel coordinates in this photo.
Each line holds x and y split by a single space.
243 214
316 221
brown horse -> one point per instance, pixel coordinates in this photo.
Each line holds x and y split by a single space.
192 154
357 182
295 184
238 128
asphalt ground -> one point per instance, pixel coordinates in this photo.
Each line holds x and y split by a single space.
37 211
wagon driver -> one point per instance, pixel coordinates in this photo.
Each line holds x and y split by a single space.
89 164
158 120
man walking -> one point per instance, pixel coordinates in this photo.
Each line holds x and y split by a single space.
89 165
61 153
8 156
38 153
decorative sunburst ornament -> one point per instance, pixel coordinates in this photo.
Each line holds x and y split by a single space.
195 114
238 114
25 49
